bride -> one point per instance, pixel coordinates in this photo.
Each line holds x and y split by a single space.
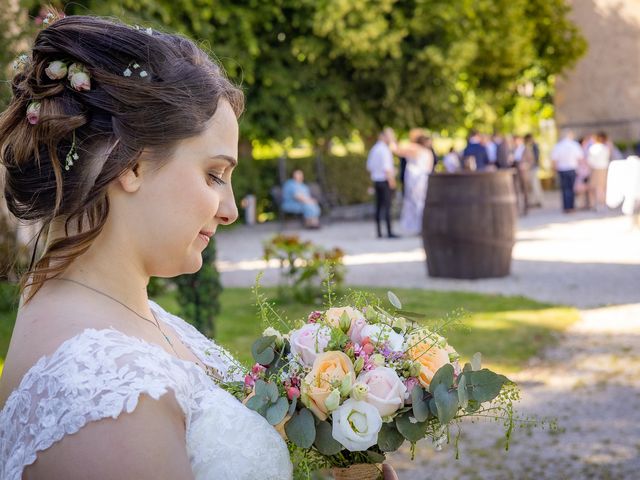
122 141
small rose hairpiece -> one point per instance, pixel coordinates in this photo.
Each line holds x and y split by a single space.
33 113
135 66
148 31
77 73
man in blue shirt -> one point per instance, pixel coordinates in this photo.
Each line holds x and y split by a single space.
477 151
296 198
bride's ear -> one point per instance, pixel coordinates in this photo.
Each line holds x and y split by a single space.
131 179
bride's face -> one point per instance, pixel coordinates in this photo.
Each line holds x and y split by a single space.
176 208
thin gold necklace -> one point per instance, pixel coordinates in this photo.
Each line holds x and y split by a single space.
152 322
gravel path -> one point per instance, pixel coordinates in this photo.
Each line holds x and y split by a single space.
590 382
585 259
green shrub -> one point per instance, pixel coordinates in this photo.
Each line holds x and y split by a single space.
304 268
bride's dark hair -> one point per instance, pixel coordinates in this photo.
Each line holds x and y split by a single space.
173 89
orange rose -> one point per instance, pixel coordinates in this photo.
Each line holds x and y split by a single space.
328 371
431 357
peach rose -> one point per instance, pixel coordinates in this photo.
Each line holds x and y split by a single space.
328 372
431 355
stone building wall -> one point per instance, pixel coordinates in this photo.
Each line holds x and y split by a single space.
602 92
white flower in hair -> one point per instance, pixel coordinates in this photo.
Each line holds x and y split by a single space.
56 70
21 61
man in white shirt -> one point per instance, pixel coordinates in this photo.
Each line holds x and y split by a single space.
565 156
383 176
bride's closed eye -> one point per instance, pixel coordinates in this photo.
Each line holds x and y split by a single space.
217 179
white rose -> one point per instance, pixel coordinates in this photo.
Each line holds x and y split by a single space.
310 340
356 425
56 70
386 390
383 333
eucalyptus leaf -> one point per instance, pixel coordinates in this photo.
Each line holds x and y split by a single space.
446 402
463 395
301 428
410 428
324 442
272 392
263 351
419 405
394 300
277 411
292 407
476 361
389 438
484 385
376 457
256 403
261 389
443 376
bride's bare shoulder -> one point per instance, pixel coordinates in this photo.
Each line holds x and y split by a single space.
41 326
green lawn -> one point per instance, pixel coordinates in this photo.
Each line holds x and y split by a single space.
507 330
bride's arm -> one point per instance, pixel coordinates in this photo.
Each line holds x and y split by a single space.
148 443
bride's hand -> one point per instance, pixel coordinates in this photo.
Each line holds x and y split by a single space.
388 472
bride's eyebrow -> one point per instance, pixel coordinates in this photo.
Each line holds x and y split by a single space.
228 158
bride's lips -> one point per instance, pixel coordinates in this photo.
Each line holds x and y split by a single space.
205 236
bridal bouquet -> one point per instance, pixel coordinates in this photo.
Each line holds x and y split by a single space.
353 382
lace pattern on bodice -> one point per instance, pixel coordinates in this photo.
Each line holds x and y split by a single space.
100 374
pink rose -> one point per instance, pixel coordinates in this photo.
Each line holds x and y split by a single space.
79 77
33 113
310 340
386 390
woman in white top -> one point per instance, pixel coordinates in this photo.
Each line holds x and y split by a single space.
598 157
122 141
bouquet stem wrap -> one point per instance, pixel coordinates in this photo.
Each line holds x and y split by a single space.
359 471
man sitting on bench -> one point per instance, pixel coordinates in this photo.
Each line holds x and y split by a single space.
296 198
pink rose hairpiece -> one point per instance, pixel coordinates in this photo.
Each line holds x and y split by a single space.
33 113
78 75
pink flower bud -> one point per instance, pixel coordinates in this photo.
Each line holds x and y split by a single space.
249 381
293 392
33 113
79 77
80 81
368 348
257 369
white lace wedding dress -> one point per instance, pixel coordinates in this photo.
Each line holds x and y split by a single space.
102 373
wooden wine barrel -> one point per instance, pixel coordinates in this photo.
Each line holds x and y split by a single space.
469 222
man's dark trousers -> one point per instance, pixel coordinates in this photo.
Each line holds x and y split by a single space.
567 181
383 205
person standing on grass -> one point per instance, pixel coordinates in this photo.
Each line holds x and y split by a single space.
383 176
566 155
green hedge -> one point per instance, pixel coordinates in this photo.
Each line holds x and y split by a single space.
347 179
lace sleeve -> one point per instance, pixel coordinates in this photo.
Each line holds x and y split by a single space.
209 352
95 375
